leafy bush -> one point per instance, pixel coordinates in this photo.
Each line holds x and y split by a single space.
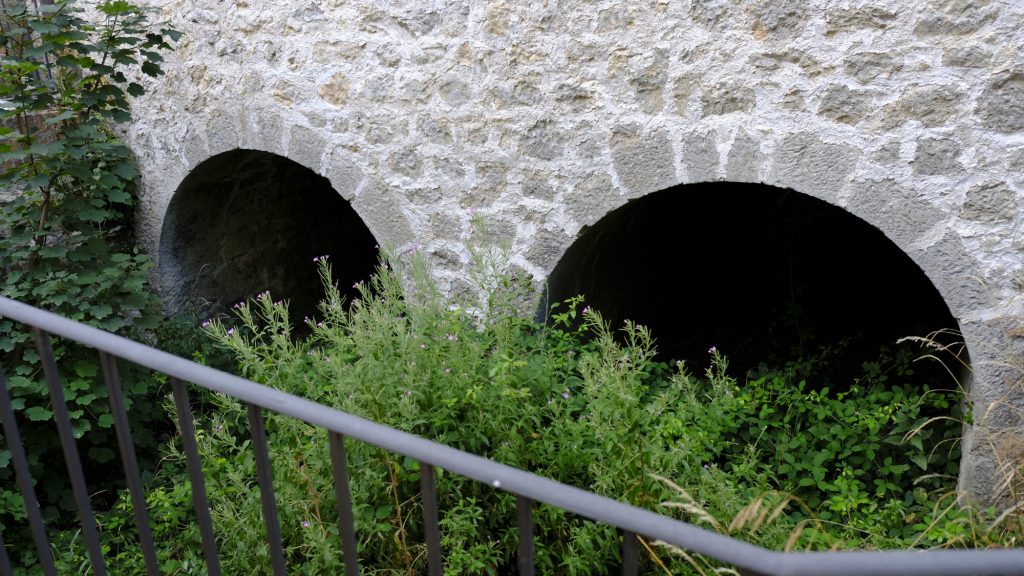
65 241
774 460
840 452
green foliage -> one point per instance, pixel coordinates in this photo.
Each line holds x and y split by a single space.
65 241
574 401
844 453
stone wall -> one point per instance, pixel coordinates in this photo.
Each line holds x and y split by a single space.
542 116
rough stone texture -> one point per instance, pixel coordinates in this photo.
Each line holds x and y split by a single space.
745 159
335 90
1001 106
649 84
268 133
991 203
908 114
643 161
344 174
841 104
966 57
700 157
539 187
306 147
221 133
866 67
549 248
593 197
932 106
779 19
953 271
903 215
852 19
727 97
541 141
379 206
804 162
936 156
955 17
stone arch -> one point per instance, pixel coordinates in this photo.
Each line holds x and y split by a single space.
748 253
804 161
245 221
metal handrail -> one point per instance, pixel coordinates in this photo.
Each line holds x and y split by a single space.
528 487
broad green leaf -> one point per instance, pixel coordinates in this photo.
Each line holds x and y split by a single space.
124 170
119 196
86 369
37 414
151 69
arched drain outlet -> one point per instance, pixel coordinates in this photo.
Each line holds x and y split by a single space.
759 272
247 221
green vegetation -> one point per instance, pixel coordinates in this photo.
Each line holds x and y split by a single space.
787 458
773 459
65 237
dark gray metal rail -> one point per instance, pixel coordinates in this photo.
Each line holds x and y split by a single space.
528 488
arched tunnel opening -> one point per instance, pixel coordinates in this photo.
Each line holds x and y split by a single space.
763 274
246 221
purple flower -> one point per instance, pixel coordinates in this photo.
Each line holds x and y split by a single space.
712 350
565 395
452 337
305 523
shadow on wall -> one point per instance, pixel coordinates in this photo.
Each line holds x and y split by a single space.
759 272
247 221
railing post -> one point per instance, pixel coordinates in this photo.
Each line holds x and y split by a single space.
5 560
431 526
343 497
131 466
195 476
28 493
524 521
71 458
266 481
630 558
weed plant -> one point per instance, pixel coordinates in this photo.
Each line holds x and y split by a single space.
773 459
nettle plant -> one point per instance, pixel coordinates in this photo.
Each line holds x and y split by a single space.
65 236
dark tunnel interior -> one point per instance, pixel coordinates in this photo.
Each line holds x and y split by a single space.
247 221
761 273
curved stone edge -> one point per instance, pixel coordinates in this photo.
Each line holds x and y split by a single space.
807 164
